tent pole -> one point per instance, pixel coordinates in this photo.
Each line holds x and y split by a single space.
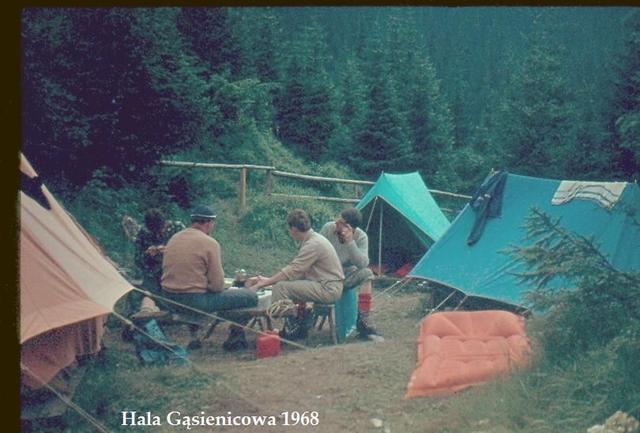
400 283
441 303
373 208
397 287
380 241
461 302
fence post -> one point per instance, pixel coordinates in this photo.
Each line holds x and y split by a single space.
243 190
267 183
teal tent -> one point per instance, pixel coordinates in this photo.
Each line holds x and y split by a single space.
401 218
485 270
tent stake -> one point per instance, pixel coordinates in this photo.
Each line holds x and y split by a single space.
441 303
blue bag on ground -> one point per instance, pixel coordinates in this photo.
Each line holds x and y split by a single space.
154 348
346 308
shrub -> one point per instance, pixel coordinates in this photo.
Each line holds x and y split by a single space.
594 328
265 219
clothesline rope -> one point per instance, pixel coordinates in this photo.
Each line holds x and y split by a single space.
216 317
84 414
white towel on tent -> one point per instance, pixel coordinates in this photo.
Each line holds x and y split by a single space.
606 194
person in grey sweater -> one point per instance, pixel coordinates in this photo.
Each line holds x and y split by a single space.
352 246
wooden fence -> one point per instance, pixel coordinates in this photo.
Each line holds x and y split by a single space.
271 173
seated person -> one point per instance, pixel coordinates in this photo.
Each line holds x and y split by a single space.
314 275
192 273
352 246
150 242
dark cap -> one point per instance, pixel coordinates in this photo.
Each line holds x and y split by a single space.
203 212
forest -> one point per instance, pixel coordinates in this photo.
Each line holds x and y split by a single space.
451 92
107 94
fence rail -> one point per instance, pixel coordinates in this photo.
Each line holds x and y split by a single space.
216 165
317 197
272 172
320 178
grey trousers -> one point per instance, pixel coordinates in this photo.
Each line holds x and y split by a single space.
307 291
355 277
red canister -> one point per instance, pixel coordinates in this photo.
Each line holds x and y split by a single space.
268 345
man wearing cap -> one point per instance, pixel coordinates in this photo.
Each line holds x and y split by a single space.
192 273
314 275
352 246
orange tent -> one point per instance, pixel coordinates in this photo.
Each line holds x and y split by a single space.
67 285
460 349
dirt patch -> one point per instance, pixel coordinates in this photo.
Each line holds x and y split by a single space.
352 387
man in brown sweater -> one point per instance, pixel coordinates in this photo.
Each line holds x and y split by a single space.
314 275
192 273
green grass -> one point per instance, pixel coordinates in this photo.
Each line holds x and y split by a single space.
542 399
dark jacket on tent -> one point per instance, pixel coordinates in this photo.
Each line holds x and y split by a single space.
487 203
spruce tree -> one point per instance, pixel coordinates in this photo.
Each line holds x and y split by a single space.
208 32
431 126
625 120
182 78
537 117
265 48
352 96
383 142
307 116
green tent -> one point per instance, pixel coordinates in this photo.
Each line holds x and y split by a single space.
485 270
401 218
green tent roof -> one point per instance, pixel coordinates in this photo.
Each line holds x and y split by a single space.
409 196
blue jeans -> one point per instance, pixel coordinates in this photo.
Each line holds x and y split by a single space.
211 302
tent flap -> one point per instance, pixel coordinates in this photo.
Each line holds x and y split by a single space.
66 283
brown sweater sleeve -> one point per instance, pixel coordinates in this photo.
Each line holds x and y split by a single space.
215 273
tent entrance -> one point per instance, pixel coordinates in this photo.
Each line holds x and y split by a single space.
393 240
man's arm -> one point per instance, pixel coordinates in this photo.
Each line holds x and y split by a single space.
294 270
264 281
215 273
359 251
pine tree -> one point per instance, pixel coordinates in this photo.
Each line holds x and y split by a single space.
209 34
352 96
181 77
383 142
625 123
265 47
537 118
402 53
431 125
307 115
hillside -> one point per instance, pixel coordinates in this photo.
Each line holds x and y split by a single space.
342 92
